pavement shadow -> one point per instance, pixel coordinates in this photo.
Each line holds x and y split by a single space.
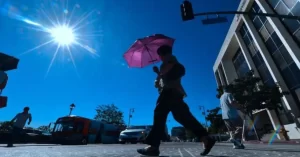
181 156
32 145
272 150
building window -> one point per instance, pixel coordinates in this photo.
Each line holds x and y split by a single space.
256 57
283 60
240 64
288 7
223 77
277 50
218 78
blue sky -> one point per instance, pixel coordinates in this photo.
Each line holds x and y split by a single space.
106 79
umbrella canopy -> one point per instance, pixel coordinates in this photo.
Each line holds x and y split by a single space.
8 62
144 51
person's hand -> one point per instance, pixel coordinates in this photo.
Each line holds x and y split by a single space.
155 69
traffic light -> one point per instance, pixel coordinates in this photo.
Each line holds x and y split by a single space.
187 12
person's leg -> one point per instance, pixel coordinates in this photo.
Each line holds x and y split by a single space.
182 114
235 129
14 135
231 129
158 129
11 138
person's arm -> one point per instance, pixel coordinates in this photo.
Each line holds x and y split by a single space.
30 118
156 83
168 66
233 102
14 118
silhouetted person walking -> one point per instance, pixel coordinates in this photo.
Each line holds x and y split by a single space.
19 122
171 100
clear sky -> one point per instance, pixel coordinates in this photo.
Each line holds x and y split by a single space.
105 78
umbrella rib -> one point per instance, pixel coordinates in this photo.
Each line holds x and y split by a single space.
149 53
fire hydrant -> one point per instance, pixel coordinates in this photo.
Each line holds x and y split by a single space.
284 133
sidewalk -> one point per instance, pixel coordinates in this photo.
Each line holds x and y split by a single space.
274 142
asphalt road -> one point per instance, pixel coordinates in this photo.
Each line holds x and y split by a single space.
167 149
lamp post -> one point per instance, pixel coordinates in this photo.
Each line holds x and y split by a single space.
204 114
72 106
131 110
187 14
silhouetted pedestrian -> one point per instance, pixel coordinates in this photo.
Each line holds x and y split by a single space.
19 122
171 100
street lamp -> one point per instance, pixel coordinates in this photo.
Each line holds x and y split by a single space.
72 106
203 113
187 14
131 110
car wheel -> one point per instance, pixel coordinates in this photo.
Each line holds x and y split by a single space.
123 142
133 142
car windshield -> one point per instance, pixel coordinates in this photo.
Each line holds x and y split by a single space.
63 126
136 127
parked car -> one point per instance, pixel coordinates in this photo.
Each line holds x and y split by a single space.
35 136
134 134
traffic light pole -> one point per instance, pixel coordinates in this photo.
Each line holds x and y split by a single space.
248 13
187 14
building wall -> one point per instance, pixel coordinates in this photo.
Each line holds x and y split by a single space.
270 47
178 132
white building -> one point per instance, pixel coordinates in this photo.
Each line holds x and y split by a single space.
270 47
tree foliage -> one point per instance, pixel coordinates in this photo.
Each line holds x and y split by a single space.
252 95
44 128
110 114
216 122
5 126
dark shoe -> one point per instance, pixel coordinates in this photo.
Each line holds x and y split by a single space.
208 146
10 145
235 142
239 147
149 151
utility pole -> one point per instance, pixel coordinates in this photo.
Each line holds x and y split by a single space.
131 110
202 108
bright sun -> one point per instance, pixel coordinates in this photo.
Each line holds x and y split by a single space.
63 35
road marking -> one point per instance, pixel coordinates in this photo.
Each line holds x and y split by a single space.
189 152
180 153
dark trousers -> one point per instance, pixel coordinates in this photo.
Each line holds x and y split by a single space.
172 101
15 135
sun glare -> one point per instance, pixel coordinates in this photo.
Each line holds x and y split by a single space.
63 35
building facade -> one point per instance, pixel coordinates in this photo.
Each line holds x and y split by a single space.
178 132
270 47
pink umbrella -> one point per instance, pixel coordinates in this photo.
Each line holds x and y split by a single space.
143 51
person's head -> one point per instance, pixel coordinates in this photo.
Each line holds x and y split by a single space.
26 109
164 52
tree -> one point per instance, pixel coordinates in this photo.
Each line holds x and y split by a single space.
216 122
110 114
5 126
252 94
44 128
